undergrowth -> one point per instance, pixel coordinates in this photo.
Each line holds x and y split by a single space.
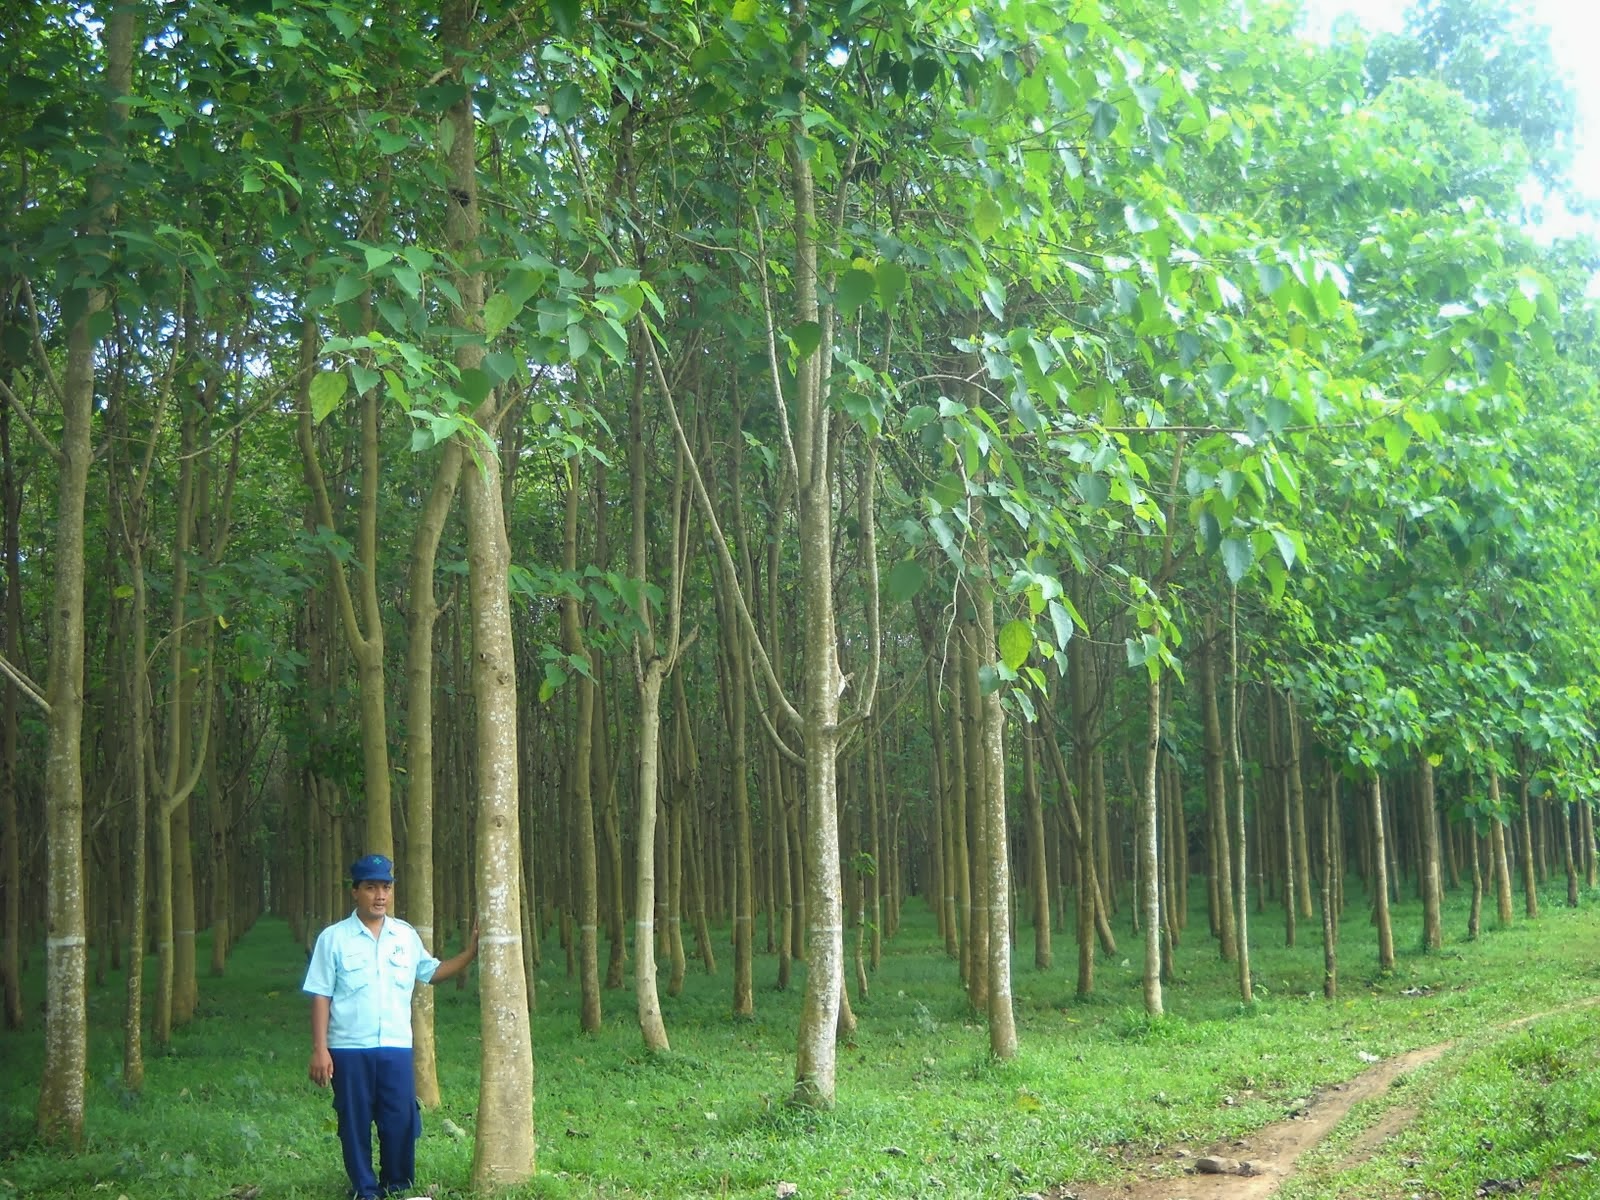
923 1109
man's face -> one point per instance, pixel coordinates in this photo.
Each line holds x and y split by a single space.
372 899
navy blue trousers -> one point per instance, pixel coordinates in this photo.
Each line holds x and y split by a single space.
376 1087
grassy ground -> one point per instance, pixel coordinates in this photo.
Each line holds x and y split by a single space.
922 1110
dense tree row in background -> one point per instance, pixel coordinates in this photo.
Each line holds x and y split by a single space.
1035 458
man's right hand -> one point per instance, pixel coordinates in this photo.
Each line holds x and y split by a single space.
321 1069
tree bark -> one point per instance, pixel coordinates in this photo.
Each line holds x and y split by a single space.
503 1152
1380 879
1428 822
1150 850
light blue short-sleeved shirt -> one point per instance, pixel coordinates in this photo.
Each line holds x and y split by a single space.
369 979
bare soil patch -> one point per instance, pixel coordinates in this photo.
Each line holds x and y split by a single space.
1254 1167
1269 1154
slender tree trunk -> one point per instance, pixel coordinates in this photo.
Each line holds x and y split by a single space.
1380 884
1566 855
1002 1018
1428 822
977 818
1150 850
417 870
1038 869
1475 915
1530 883
1221 863
10 829
61 1089
1330 941
651 1025
581 762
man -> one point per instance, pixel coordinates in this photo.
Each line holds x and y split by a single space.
360 980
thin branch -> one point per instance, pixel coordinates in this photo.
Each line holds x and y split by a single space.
38 343
23 684
50 448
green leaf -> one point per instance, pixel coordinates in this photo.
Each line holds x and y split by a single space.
348 288
577 342
1286 547
1061 621
327 389
475 385
1138 220
377 256
987 217
855 289
1094 489
499 310
1237 557
892 280
365 378
905 580
1015 643
806 336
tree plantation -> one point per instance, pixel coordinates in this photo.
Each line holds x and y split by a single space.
700 483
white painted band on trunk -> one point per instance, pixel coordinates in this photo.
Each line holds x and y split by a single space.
61 943
426 930
825 928
587 928
183 932
500 939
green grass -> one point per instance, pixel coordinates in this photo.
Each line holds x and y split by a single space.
922 1108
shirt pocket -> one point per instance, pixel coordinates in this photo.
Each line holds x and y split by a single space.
357 968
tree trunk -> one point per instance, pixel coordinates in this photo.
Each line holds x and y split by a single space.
1530 884
417 871
1241 877
10 830
1149 851
1380 883
1330 948
1221 862
581 762
61 1088
1038 866
1428 821
503 1152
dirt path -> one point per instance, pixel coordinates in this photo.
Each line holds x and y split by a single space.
1271 1153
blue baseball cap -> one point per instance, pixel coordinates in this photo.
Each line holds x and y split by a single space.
372 866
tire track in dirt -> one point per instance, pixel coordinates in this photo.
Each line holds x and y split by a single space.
1273 1151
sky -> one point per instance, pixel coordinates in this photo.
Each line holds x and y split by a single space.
1575 36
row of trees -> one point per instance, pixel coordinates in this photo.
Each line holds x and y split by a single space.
1011 456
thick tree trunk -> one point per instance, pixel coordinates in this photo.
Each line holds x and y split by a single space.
503 1152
